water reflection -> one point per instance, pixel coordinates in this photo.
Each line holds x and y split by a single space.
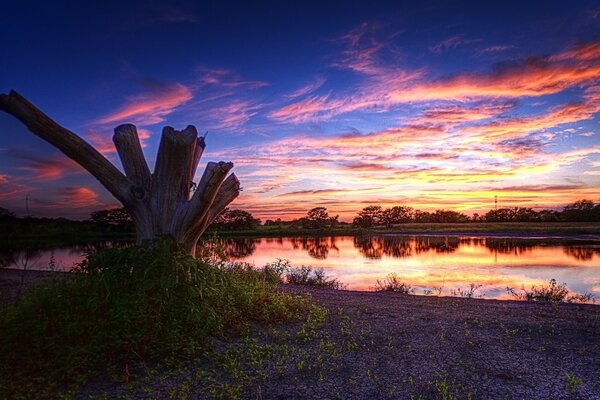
400 247
317 247
425 262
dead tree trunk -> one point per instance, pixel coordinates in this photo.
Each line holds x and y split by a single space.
160 203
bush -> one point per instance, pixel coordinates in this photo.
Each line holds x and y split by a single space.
552 293
126 305
393 283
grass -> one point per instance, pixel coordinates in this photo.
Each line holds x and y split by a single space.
128 306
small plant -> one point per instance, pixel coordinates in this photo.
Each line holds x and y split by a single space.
572 383
468 293
443 388
393 283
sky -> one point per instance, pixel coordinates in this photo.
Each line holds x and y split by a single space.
334 104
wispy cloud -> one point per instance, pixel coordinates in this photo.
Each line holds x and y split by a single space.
495 49
224 100
78 197
385 85
451 43
306 89
46 168
151 106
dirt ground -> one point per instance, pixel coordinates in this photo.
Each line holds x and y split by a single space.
396 346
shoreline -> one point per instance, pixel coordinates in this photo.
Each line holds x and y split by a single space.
15 282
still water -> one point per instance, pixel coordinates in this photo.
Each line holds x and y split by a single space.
432 263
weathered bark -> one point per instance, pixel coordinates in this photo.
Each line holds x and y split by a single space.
159 203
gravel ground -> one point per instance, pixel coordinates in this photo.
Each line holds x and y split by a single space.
393 346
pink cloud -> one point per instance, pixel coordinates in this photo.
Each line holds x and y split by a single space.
385 86
47 168
78 197
306 89
150 107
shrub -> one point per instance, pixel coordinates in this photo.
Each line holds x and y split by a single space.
553 292
311 277
393 283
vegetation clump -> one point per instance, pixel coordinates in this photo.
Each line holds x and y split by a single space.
551 293
124 306
393 283
303 275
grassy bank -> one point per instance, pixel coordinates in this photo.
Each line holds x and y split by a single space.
124 307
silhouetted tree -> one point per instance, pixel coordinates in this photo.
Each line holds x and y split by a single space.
318 217
397 215
235 219
581 210
369 216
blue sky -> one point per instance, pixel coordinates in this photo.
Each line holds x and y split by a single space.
438 105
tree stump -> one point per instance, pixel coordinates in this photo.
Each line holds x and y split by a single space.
160 203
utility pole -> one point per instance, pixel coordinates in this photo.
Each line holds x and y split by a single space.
496 202
27 205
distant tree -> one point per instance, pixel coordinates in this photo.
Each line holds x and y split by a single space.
423 216
112 217
270 222
525 215
548 216
516 214
235 220
581 210
397 215
477 218
448 216
318 217
369 216
500 215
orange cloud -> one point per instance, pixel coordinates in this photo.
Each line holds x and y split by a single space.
79 197
150 107
47 168
385 86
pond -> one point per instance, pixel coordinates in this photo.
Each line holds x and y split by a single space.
449 264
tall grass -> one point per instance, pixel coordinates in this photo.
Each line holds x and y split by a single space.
127 305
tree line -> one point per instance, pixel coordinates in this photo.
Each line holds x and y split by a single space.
378 216
118 219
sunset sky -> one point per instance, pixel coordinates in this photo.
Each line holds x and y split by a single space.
334 104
